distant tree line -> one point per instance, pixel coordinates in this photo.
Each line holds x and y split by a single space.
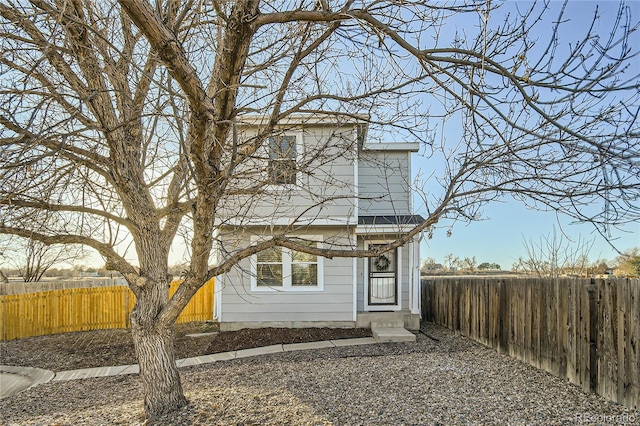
628 263
456 264
543 263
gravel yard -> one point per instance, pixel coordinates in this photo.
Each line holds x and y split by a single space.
98 348
447 381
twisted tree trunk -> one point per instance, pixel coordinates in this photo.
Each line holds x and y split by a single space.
162 387
153 341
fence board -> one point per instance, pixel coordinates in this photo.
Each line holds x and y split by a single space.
536 321
623 381
572 348
585 331
80 309
607 345
633 345
519 319
561 326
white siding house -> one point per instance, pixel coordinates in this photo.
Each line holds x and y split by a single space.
331 189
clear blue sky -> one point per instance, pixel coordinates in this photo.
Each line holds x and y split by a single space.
499 239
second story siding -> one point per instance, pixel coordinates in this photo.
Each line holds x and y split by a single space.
384 179
304 174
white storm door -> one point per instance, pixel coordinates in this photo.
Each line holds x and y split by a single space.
382 289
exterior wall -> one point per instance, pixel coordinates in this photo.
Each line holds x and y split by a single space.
376 183
240 304
384 182
326 156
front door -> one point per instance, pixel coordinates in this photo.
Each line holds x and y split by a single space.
382 281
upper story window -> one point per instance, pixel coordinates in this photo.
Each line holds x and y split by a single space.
282 269
282 159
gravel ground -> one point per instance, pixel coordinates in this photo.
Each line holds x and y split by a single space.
448 381
98 348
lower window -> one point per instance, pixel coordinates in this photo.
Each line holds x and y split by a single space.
282 269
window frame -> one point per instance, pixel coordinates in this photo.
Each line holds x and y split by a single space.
287 272
297 135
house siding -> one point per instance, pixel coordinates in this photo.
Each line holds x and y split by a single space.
320 180
384 183
333 303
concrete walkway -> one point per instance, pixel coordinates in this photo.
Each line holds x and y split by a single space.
16 379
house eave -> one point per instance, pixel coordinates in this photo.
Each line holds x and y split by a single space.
387 224
383 229
305 119
284 221
391 146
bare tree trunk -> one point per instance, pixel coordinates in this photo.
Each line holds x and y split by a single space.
153 342
156 357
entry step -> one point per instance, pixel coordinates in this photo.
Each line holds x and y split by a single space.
392 334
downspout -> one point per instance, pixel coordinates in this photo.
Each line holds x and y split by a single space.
355 289
415 307
356 195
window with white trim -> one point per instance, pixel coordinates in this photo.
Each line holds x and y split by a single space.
282 159
283 269
269 268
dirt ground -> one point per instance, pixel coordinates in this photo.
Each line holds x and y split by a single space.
85 349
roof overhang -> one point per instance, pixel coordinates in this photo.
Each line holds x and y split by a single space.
304 119
387 224
392 146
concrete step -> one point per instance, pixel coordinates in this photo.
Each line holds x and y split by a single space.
387 323
392 334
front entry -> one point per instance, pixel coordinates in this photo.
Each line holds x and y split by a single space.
382 283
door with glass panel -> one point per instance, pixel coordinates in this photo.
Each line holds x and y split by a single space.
382 279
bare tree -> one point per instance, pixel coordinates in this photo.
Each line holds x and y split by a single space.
599 267
448 260
117 124
33 258
469 264
3 277
429 265
555 255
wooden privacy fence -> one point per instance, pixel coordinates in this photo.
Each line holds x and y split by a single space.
80 309
587 331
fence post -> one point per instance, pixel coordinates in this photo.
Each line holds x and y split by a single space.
593 336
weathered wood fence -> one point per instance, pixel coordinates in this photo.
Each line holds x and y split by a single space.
80 309
587 331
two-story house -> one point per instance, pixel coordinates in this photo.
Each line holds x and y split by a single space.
321 181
